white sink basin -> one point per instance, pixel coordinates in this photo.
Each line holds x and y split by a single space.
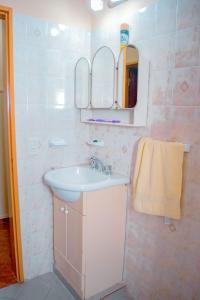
68 183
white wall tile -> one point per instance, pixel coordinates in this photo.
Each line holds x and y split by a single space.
37 32
37 89
21 89
44 109
146 25
165 11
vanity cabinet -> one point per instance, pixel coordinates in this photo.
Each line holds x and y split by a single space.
89 241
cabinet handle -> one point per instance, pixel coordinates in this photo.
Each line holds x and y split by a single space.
62 209
66 211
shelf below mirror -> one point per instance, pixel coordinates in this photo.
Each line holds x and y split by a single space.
109 117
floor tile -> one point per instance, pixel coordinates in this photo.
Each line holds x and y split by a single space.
6 298
59 295
12 291
33 290
119 295
51 280
57 288
48 287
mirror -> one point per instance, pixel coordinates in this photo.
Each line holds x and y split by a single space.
103 78
127 77
82 83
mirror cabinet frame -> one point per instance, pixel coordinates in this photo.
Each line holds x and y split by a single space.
115 103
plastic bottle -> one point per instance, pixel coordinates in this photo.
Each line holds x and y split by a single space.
124 35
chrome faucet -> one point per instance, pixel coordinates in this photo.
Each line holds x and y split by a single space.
98 165
108 170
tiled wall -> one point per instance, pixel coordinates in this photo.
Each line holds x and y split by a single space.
44 59
161 264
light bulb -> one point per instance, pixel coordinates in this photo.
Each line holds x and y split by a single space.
54 32
96 5
62 27
142 9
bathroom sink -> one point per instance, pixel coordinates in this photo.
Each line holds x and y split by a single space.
68 183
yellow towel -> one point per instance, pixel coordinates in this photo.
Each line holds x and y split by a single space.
158 178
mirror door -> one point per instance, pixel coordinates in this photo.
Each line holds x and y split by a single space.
127 77
82 83
103 78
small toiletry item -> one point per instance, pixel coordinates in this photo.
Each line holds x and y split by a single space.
107 121
57 142
101 120
104 120
124 35
96 142
115 121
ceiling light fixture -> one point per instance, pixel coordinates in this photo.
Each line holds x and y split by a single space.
96 5
62 27
113 3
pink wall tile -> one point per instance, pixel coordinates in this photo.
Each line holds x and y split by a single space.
186 86
163 52
188 13
192 167
145 26
166 10
187 47
161 87
191 201
176 123
162 264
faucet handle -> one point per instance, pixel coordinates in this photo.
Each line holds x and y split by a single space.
92 158
92 161
108 170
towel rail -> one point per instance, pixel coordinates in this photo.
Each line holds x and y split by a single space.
186 148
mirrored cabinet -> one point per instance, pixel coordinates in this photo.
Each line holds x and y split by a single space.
113 91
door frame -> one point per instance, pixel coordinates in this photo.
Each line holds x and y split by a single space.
129 65
7 15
